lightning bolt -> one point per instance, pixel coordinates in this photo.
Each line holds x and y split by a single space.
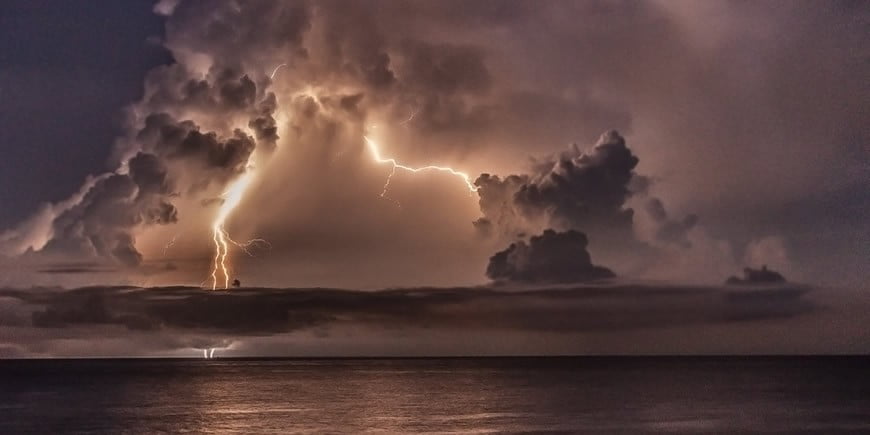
275 71
169 244
221 238
220 272
374 149
410 118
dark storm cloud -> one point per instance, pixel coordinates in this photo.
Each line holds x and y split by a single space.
75 268
224 90
225 98
176 96
239 93
227 91
595 192
255 312
572 190
580 187
263 123
101 223
184 140
344 59
164 150
241 31
739 107
552 257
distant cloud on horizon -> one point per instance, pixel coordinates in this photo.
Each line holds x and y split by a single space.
175 320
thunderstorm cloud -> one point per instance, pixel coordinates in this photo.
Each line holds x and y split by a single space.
552 257
733 137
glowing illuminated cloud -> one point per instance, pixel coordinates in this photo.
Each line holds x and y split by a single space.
233 196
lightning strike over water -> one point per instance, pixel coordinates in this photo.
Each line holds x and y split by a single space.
220 273
376 154
222 240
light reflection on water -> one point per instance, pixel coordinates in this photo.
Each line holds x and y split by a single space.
598 395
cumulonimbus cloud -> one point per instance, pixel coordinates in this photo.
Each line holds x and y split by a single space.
551 257
571 190
463 83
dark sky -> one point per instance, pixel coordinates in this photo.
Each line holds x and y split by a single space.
66 71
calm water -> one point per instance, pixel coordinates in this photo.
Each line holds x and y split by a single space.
567 395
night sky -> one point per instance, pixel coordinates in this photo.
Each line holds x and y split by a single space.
68 72
481 159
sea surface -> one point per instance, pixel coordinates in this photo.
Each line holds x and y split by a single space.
465 395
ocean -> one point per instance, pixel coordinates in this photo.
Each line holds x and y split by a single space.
599 395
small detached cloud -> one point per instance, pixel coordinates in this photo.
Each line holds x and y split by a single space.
757 276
